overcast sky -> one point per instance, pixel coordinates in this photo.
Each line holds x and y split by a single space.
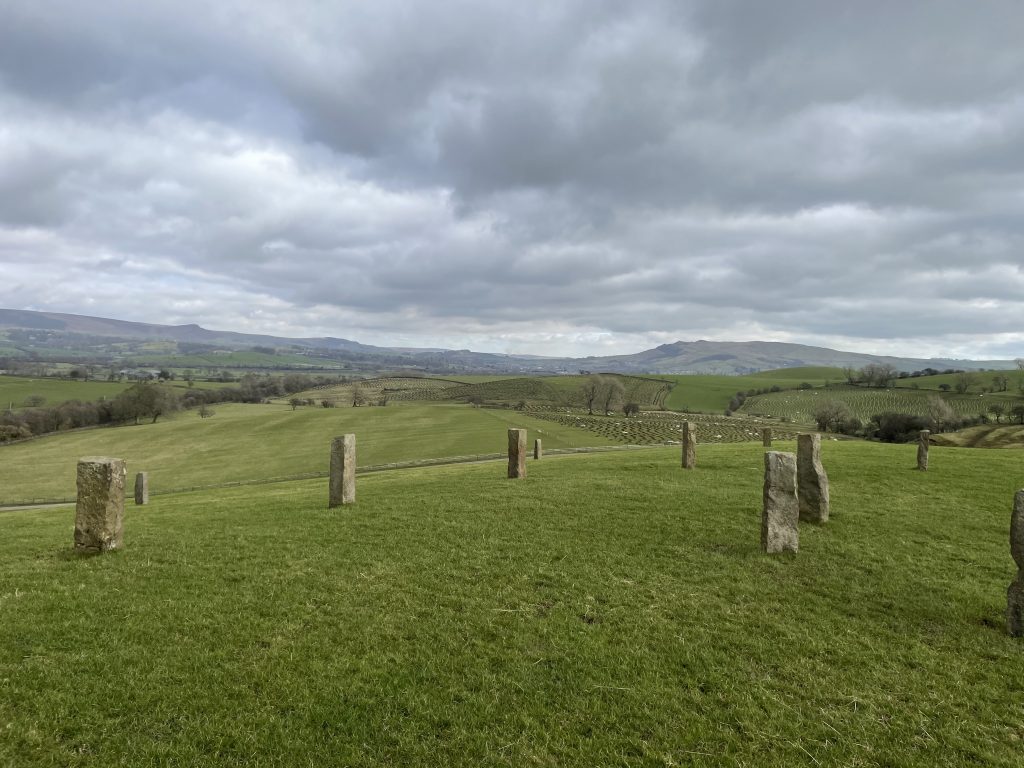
557 177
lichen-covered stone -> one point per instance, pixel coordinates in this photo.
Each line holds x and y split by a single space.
1017 529
99 509
538 449
766 437
517 453
923 438
1015 606
343 471
142 488
689 446
812 482
781 513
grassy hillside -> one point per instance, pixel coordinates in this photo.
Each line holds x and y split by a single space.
534 390
985 436
864 403
248 442
607 610
711 394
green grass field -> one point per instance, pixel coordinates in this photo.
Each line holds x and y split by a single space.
14 389
711 394
863 402
561 391
607 610
249 442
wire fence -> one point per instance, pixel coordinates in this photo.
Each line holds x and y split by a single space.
11 506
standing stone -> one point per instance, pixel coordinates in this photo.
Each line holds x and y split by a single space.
812 482
689 446
99 510
1015 594
781 514
517 453
538 449
142 488
343 471
766 437
922 449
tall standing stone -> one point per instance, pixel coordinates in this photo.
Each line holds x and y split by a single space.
812 482
142 488
766 437
922 449
1015 594
517 453
689 446
99 509
343 471
538 449
781 513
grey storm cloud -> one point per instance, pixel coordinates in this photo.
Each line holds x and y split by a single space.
570 177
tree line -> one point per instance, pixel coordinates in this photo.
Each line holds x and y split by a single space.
148 401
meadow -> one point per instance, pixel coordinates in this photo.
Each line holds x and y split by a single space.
15 389
864 402
707 393
609 609
245 442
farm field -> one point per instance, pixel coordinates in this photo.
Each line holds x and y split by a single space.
14 389
981 379
249 442
799 405
711 394
533 390
607 610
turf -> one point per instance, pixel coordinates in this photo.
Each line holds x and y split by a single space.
14 389
607 610
249 442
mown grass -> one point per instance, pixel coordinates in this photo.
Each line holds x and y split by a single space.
250 442
607 610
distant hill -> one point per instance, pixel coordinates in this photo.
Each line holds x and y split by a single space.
48 334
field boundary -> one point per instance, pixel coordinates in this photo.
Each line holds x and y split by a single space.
12 506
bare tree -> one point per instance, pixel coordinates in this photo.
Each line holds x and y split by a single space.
612 393
963 382
1000 382
940 413
830 414
878 374
589 391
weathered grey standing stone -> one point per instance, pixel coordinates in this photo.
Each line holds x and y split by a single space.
781 514
922 449
142 488
766 437
689 446
99 510
517 453
812 482
1017 530
343 471
538 449
1015 594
